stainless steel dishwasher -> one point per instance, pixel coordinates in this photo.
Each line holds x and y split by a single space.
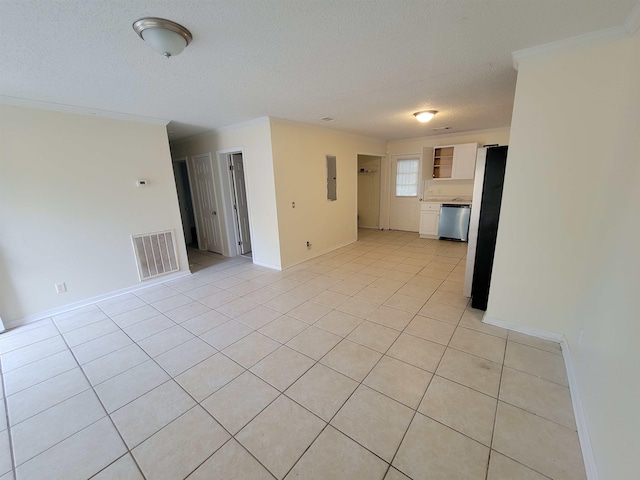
454 222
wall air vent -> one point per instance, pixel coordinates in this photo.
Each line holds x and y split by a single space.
437 129
155 253
327 119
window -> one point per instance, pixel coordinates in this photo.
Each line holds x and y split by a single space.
407 177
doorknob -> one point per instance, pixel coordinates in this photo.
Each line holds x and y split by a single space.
215 213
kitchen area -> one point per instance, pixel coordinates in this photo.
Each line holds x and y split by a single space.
451 194
470 209
445 208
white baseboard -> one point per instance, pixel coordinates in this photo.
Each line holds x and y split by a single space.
535 332
88 301
268 265
581 423
322 252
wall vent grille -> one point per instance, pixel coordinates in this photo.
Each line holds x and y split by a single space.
155 253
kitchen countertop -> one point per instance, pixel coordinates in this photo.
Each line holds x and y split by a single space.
454 200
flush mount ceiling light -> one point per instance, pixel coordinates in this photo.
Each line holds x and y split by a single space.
425 116
164 36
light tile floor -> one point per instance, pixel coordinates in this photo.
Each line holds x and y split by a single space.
364 363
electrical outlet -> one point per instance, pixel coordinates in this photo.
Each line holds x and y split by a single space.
580 336
293 204
60 287
309 245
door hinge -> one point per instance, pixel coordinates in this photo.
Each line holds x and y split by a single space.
235 207
239 243
230 167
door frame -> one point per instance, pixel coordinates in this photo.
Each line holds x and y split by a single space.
230 234
180 192
233 181
381 193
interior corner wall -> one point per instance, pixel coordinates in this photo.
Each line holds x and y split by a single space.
299 159
69 205
567 258
254 139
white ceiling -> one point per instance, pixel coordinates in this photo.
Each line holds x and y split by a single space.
368 64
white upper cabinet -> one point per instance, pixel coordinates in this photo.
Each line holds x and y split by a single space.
464 161
455 162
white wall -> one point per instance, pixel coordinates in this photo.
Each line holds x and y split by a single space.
254 139
454 188
567 255
69 205
299 152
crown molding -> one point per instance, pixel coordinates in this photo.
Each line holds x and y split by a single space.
313 126
248 123
457 133
632 23
627 29
74 109
613 33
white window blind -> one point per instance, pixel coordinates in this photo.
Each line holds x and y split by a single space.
407 172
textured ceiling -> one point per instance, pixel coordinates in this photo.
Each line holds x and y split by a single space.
367 64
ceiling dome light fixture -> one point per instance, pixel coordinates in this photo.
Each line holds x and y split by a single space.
164 36
425 116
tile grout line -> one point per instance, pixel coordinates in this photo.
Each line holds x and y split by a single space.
416 411
495 414
231 436
104 409
34 361
69 349
354 390
282 393
58 403
6 414
495 420
197 403
55 404
362 320
328 423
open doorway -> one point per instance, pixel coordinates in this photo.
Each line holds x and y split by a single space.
185 201
369 171
240 212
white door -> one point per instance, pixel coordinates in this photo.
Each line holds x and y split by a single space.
405 192
240 203
209 232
